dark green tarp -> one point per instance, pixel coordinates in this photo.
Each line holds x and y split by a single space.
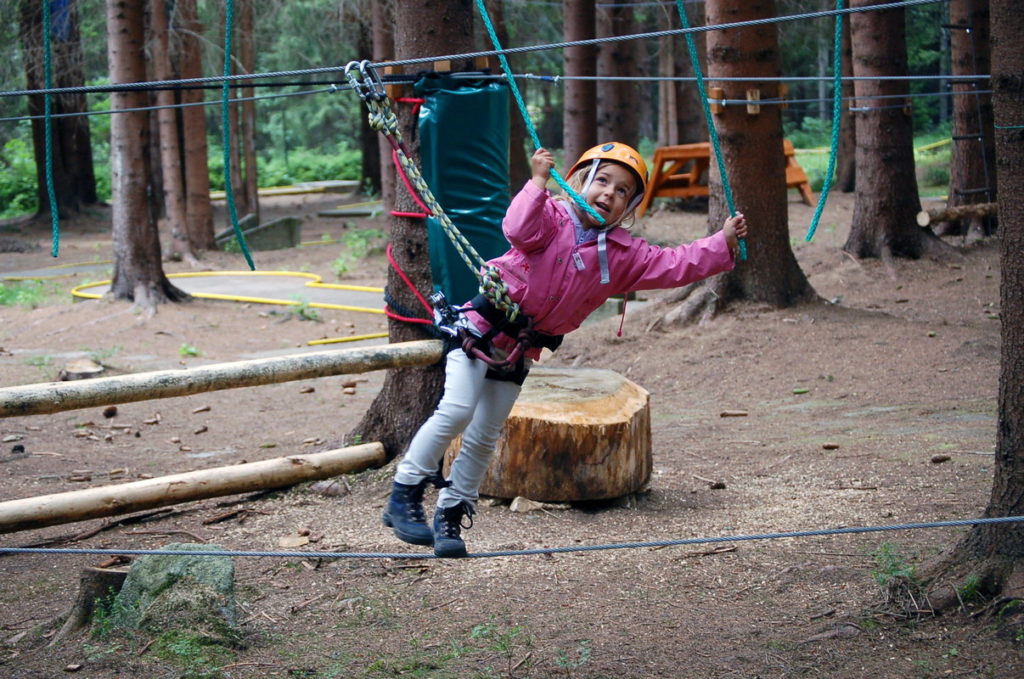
463 128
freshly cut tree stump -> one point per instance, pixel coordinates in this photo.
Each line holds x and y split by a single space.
574 434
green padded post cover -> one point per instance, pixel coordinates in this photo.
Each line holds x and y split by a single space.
463 127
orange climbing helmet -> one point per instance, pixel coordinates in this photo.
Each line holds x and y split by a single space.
620 153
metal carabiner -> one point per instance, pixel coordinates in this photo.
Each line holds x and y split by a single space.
372 81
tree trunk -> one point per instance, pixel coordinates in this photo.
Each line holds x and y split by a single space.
690 124
752 146
846 161
138 275
384 50
596 431
994 554
886 204
518 158
368 142
409 396
170 140
616 109
579 119
198 210
72 164
972 171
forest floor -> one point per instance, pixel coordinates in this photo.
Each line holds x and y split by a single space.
896 370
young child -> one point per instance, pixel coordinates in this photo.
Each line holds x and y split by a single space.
563 265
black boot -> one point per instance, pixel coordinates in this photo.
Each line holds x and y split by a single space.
404 514
448 528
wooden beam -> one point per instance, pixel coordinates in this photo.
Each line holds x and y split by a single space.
124 498
53 397
956 213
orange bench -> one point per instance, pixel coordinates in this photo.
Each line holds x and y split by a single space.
677 172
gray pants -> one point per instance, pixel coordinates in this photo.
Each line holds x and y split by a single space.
471 405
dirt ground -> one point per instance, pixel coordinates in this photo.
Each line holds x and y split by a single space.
897 374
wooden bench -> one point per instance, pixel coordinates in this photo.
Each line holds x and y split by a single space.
678 172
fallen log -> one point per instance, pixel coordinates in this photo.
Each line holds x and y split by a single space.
955 213
124 498
53 397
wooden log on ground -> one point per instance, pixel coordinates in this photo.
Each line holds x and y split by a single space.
574 434
53 397
124 498
956 213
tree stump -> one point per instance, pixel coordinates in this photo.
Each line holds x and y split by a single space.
574 434
95 585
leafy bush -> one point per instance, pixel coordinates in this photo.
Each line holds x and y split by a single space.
302 165
17 178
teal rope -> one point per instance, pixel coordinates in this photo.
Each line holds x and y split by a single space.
51 193
837 114
526 115
229 17
712 132
1009 127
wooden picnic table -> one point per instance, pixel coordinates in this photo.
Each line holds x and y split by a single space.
680 171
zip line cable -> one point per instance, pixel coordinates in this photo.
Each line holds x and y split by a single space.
853 530
488 53
485 76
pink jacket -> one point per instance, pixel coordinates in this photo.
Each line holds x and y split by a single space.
541 275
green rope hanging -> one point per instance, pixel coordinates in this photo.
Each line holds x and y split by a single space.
712 132
229 17
576 198
837 115
51 192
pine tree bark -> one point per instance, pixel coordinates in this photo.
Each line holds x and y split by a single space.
169 137
198 210
886 203
72 161
752 148
138 275
409 396
384 50
972 169
993 555
846 162
518 158
579 117
617 112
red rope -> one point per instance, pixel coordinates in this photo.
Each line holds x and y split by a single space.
405 180
398 269
399 213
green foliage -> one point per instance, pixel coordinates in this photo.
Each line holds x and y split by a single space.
304 311
358 244
18 175
196 655
891 565
186 350
570 661
22 293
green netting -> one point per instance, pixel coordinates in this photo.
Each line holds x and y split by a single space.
463 128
